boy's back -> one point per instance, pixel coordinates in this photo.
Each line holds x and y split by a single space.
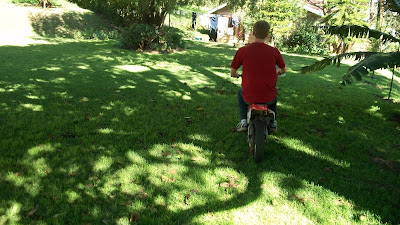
259 77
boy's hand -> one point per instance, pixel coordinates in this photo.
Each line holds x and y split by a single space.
234 73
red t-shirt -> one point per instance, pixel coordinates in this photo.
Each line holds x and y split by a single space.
259 76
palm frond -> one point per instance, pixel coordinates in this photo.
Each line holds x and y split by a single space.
335 60
393 5
371 63
359 32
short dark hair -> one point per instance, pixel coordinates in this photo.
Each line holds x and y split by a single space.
261 29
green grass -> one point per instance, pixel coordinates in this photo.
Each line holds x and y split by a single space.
91 133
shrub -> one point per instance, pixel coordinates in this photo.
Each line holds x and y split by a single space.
305 38
138 36
171 38
143 36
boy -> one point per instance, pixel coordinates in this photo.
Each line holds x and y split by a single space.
260 74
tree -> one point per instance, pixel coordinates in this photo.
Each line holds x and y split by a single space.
280 14
126 12
368 61
342 12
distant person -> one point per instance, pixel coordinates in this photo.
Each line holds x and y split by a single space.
214 28
194 16
259 61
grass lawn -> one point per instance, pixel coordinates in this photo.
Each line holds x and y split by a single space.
93 134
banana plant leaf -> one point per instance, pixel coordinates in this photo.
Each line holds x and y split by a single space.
335 60
393 5
359 32
371 63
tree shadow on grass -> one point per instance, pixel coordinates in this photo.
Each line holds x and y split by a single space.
105 132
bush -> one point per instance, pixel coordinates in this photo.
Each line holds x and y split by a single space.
305 39
138 36
171 38
32 2
143 36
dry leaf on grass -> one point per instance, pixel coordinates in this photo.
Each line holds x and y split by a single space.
165 154
134 217
167 179
33 211
172 171
187 196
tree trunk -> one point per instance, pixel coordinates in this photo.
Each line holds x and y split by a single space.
379 21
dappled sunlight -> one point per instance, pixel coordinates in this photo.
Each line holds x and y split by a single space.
103 163
35 108
132 68
40 149
72 196
34 97
12 213
53 68
254 213
298 145
375 111
200 137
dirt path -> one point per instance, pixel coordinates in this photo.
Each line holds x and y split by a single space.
15 25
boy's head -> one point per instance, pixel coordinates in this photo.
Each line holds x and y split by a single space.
261 29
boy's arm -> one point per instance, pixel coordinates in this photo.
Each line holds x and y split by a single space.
234 73
280 71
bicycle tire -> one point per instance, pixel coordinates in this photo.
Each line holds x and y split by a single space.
259 134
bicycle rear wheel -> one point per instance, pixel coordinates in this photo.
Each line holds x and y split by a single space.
259 147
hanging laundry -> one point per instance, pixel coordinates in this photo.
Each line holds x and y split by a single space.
214 28
194 17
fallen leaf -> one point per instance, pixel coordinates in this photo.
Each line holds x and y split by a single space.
165 154
143 195
224 185
133 180
187 196
274 202
167 179
33 211
164 178
134 218
363 218
194 158
200 109
172 171
173 146
297 198
194 190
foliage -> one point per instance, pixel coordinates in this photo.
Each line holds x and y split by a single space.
305 38
171 38
138 36
369 61
393 5
280 14
341 12
144 36
33 2
126 12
